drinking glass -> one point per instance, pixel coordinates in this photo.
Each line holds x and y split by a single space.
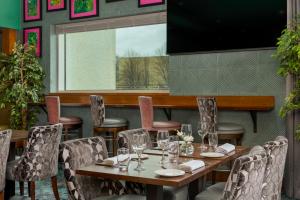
173 149
123 158
186 129
162 141
213 140
138 145
202 131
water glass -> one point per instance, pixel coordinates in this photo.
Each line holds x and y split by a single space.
186 129
173 149
139 143
162 141
123 158
213 140
202 132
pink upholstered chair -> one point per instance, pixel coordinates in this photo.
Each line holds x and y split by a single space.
146 109
69 123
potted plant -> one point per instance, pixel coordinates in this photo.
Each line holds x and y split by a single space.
288 55
21 83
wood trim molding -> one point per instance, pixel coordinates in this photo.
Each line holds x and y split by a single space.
165 100
9 38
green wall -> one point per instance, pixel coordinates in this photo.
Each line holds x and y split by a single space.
228 73
10 14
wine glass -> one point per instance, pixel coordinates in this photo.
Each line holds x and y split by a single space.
138 145
162 142
202 131
186 129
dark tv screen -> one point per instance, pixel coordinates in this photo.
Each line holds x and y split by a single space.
218 25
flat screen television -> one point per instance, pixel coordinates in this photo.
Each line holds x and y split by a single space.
219 25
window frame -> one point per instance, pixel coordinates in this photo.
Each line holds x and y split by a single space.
102 24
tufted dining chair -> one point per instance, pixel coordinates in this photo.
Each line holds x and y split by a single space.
245 180
5 136
39 159
125 139
147 116
69 123
84 152
102 124
276 151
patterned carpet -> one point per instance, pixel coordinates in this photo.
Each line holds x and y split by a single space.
44 190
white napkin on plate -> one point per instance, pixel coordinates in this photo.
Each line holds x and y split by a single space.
191 165
225 148
110 161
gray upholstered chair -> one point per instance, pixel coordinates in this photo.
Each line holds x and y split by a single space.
276 151
39 159
125 140
4 150
106 125
84 152
245 180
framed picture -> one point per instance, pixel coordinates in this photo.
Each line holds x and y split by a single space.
54 5
33 36
32 10
108 1
143 3
83 8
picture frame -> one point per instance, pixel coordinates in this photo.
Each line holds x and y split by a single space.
144 3
80 11
33 36
56 5
110 1
32 10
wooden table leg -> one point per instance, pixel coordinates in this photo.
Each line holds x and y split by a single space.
154 192
196 187
10 185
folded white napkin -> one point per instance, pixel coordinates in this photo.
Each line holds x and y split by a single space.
225 148
191 165
110 161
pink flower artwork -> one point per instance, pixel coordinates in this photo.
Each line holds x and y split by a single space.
143 3
89 8
53 5
33 37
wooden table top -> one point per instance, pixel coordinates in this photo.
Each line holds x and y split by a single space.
152 163
19 135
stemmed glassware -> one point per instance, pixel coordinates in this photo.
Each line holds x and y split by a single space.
162 142
139 144
186 129
203 131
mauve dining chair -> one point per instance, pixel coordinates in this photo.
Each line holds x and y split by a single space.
70 123
147 117
4 150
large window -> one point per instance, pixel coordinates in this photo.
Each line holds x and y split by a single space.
128 58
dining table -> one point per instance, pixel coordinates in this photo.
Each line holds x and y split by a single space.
154 183
17 136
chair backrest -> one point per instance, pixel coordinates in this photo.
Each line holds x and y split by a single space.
276 151
80 153
246 177
4 149
208 112
146 110
125 138
97 110
40 157
53 109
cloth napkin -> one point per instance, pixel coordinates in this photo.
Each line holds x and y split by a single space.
191 165
225 148
110 161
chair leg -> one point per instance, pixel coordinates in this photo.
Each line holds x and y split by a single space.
213 177
54 187
32 189
2 195
66 134
21 184
80 134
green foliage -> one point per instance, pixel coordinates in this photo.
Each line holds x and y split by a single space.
21 82
288 54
